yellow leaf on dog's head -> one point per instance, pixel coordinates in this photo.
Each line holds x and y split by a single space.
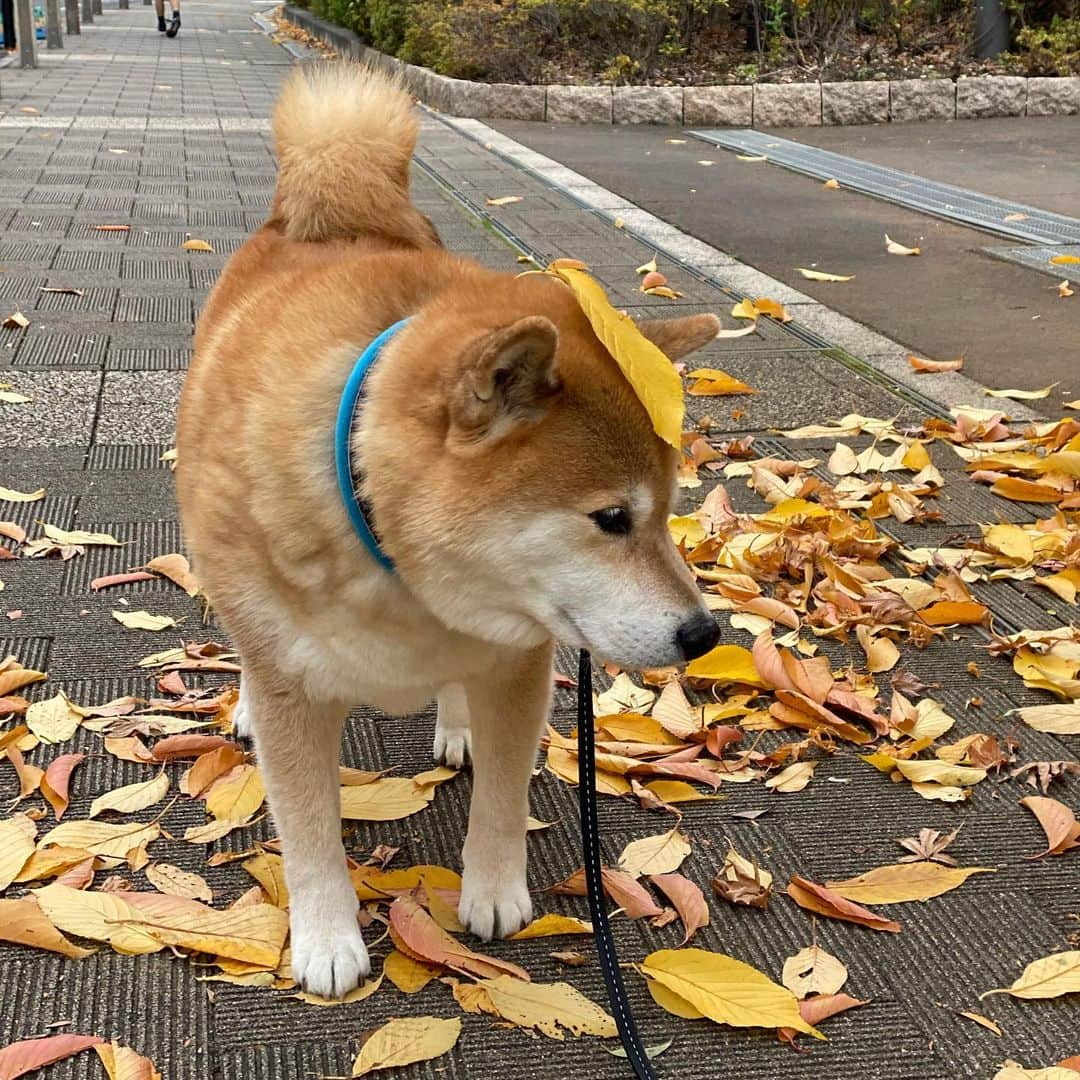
405 1041
725 990
652 375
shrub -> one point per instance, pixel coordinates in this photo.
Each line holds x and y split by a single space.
1054 50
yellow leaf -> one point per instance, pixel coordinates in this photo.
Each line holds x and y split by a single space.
547 1007
98 916
372 883
831 184
902 883
672 1003
196 245
504 200
1020 490
143 620
650 267
358 993
8 495
552 925
102 838
646 368
1049 977
123 1063
751 157
1065 289
405 1041
1012 1071
407 974
177 569
712 382
726 990
659 854
686 530
678 791
726 664
773 308
386 799
982 1021
744 309
1065 260
820 275
793 778
238 794
940 772
1056 719
916 457
1010 541
22 922
16 846
1022 395
53 720
132 797
893 248
813 971
79 536
269 871
1064 585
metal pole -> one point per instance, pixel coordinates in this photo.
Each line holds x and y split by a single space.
7 10
24 29
71 10
991 29
54 39
88 12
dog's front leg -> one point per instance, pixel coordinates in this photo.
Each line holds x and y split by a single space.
507 711
299 744
453 739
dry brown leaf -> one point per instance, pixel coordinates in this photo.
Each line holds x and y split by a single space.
823 901
177 569
172 881
921 365
544 1007
22 923
57 779
123 1063
1057 821
196 245
901 883
813 971
29 1055
688 899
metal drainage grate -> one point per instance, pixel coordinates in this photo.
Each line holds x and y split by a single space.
1038 258
904 189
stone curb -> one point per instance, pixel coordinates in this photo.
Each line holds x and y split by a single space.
760 105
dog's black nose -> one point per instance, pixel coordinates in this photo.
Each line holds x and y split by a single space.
697 636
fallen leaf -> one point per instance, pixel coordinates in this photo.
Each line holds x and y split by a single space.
544 1007
268 870
921 365
15 321
503 200
132 797
22 923
53 720
405 1041
793 778
651 1052
357 993
111 228
725 990
409 975
659 854
57 778
1065 260
16 846
237 795
123 1063
172 881
901 883
1063 719
177 569
143 620
823 901
831 184
819 275
196 245
387 799
1012 1071
893 248
1049 977
1057 821
740 881
19 1058
712 382
552 926
102 838
688 900
751 157
982 1021
813 971
816 1009
1064 289
1021 395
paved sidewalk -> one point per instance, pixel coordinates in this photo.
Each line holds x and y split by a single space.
171 138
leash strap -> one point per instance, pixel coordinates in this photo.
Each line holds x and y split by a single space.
590 840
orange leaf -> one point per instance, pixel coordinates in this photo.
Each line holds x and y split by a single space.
1012 487
211 765
1057 821
926 366
418 935
23 923
192 746
24 1057
815 1009
954 613
54 784
825 902
688 899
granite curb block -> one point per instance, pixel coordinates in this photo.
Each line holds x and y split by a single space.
760 105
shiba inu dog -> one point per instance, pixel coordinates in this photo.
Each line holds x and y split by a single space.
510 474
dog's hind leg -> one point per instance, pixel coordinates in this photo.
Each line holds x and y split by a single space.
298 743
507 711
453 738
241 715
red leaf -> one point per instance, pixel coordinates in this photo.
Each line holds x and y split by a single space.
815 1009
54 785
24 1057
688 899
192 746
825 902
120 579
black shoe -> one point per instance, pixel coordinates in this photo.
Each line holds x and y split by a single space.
161 23
174 26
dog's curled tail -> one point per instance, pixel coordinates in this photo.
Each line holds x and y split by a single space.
344 136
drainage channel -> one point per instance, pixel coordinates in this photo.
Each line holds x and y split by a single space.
802 333
1016 221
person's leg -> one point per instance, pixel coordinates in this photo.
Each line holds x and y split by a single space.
174 21
159 5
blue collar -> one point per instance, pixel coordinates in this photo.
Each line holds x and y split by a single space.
350 478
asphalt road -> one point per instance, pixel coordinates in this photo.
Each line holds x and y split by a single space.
1007 321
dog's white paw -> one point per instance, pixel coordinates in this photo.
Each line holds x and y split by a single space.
453 746
241 716
495 907
329 958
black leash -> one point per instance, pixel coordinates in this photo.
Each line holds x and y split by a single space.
590 841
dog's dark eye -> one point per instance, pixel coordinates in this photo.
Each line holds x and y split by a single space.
612 519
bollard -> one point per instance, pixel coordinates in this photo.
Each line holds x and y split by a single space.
24 28
991 29
54 39
88 11
71 11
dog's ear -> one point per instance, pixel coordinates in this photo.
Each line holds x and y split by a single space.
508 378
676 338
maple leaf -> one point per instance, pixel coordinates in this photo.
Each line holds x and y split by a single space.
1041 774
929 846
